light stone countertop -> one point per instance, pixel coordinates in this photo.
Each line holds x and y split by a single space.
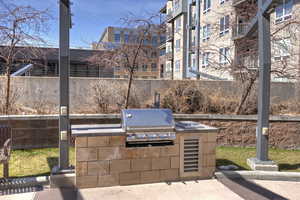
90 130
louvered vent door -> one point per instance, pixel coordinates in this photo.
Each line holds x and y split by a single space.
190 156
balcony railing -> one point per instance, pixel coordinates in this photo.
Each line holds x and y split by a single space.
250 61
169 56
170 35
239 30
169 17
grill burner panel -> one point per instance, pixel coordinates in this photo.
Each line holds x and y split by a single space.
148 125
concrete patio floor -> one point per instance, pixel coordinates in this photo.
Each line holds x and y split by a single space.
191 190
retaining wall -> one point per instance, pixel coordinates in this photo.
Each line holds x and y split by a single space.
45 90
41 131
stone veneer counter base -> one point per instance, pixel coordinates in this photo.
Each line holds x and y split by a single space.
102 158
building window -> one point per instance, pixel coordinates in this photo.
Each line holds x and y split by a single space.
153 67
206 32
205 59
177 24
224 25
118 68
162 39
177 66
154 54
144 68
282 49
176 4
169 67
162 52
154 40
194 62
207 5
224 55
117 36
126 37
177 45
284 10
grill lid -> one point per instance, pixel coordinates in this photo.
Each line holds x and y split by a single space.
142 119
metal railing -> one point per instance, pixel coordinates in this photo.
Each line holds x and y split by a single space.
169 56
169 16
169 34
239 30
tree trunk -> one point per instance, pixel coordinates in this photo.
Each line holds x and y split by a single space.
128 89
245 96
7 98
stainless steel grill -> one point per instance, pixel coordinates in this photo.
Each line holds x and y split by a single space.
148 125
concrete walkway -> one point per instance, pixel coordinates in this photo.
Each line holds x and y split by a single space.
202 189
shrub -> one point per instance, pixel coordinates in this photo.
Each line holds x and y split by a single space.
110 98
184 97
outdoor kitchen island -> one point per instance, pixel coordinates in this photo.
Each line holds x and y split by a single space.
147 147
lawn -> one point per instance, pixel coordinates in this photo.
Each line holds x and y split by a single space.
288 160
34 162
37 162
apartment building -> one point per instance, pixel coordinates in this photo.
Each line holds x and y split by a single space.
112 37
46 62
204 38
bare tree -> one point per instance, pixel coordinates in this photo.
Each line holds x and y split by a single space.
242 62
137 50
21 29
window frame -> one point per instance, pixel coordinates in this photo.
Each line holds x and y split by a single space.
284 16
224 28
206 6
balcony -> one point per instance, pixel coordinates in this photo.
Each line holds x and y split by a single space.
169 56
193 23
169 17
193 47
170 35
239 30
249 61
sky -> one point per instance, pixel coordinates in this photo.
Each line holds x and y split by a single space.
91 17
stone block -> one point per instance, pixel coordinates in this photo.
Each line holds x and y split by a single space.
86 181
86 154
256 164
81 168
98 168
129 178
117 141
209 148
119 166
170 150
109 153
130 153
98 141
141 164
175 162
81 142
108 180
161 163
169 175
210 160
150 176
149 152
211 137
